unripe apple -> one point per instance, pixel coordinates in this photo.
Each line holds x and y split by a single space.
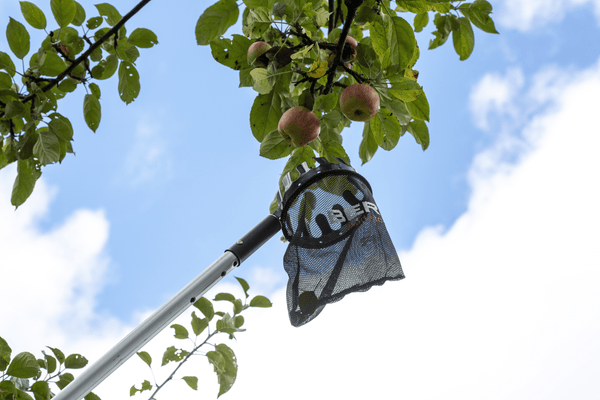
349 55
255 50
359 102
299 126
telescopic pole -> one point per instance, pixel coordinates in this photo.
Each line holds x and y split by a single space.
155 323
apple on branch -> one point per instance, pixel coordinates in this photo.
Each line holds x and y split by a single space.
299 126
359 102
256 50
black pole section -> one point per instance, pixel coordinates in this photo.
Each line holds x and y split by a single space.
258 236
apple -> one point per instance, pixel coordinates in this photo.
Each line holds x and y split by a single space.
256 50
359 102
349 55
299 126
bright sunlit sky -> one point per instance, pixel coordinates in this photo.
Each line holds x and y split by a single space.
496 224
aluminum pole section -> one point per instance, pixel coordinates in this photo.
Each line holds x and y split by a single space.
155 323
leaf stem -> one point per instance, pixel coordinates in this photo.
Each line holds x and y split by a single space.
170 377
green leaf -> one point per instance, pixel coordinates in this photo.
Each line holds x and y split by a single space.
95 90
225 364
79 18
180 331
258 22
75 361
129 82
91 111
224 296
41 390
327 102
215 21
68 85
50 363
260 301
274 146
61 127
8 388
226 324
393 37
479 14
145 357
64 11
18 38
265 114
198 325
386 129
58 354
146 385
261 80
46 148
7 64
463 39
109 12
246 79
173 355
419 108
414 6
5 352
420 132
206 307
244 284
24 365
333 148
142 37
368 145
94 22
231 53
406 90
421 21
91 396
53 64
14 109
106 68
128 52
192 381
443 23
299 155
33 15
27 175
238 321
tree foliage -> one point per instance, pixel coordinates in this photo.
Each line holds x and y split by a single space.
221 357
79 50
26 377
304 66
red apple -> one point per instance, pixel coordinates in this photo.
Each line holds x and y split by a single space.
299 126
359 102
256 50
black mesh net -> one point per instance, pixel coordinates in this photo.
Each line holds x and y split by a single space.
338 241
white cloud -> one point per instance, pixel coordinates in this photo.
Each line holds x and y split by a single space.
496 94
148 159
50 277
527 15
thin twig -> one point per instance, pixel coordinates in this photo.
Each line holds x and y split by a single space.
86 54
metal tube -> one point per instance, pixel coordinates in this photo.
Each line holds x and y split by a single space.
136 339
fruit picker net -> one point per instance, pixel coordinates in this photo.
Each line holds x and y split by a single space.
338 242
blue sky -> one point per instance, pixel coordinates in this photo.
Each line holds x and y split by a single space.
495 223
